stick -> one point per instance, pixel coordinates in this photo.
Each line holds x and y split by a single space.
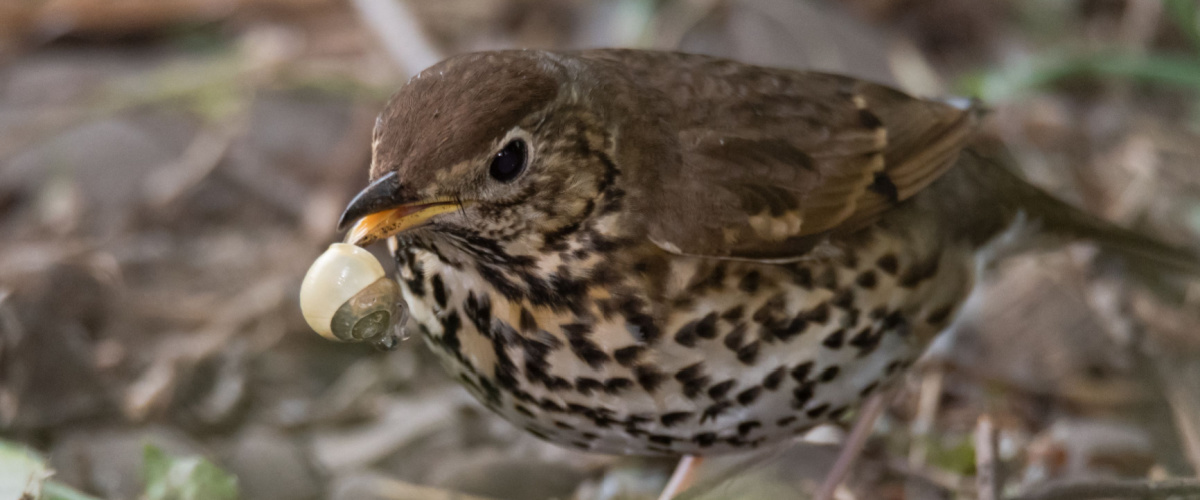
1113 488
987 465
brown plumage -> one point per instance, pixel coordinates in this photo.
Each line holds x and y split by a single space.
655 252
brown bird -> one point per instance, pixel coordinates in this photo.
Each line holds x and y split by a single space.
659 253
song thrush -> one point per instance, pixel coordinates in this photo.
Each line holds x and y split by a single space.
659 253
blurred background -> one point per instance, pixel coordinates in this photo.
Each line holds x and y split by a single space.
170 168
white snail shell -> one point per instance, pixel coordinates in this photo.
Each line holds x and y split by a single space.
346 295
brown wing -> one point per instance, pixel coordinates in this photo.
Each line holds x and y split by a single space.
772 161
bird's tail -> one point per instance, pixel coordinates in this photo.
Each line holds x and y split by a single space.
1056 219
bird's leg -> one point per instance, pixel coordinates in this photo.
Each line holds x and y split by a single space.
853 446
683 476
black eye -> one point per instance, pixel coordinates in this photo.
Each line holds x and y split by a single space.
509 162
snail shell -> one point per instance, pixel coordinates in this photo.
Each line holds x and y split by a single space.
346 295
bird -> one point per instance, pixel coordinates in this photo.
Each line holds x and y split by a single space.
658 253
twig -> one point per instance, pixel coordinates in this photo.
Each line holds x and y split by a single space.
1185 405
987 465
853 445
394 489
682 478
929 398
1113 488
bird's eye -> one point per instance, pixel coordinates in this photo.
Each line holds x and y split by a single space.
509 162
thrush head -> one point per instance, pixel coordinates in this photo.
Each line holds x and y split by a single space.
497 145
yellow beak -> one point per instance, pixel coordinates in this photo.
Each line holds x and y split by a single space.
383 224
385 208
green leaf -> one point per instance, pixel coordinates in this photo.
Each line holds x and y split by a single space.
1012 81
185 478
955 455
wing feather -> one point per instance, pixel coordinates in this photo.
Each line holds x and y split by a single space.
772 161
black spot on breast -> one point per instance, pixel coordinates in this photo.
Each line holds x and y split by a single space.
617 384
748 353
527 322
746 427
714 411
693 379
439 290
686 336
661 439
801 395
648 377
628 355
524 411
773 379
637 420
867 279
451 323
583 347
773 310
784 331
490 392
870 388
734 314
674 418
416 285
818 314
551 406
705 439
749 282
888 263
801 371
844 299
895 321
836 339
478 309
918 273
642 328
719 390
558 384
829 374
541 435
735 338
689 333
747 397
707 328
818 411
866 341
586 385
505 374
802 276
939 315
786 421
838 413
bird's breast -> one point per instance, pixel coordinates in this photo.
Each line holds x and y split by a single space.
703 355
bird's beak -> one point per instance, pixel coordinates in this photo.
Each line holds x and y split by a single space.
380 211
